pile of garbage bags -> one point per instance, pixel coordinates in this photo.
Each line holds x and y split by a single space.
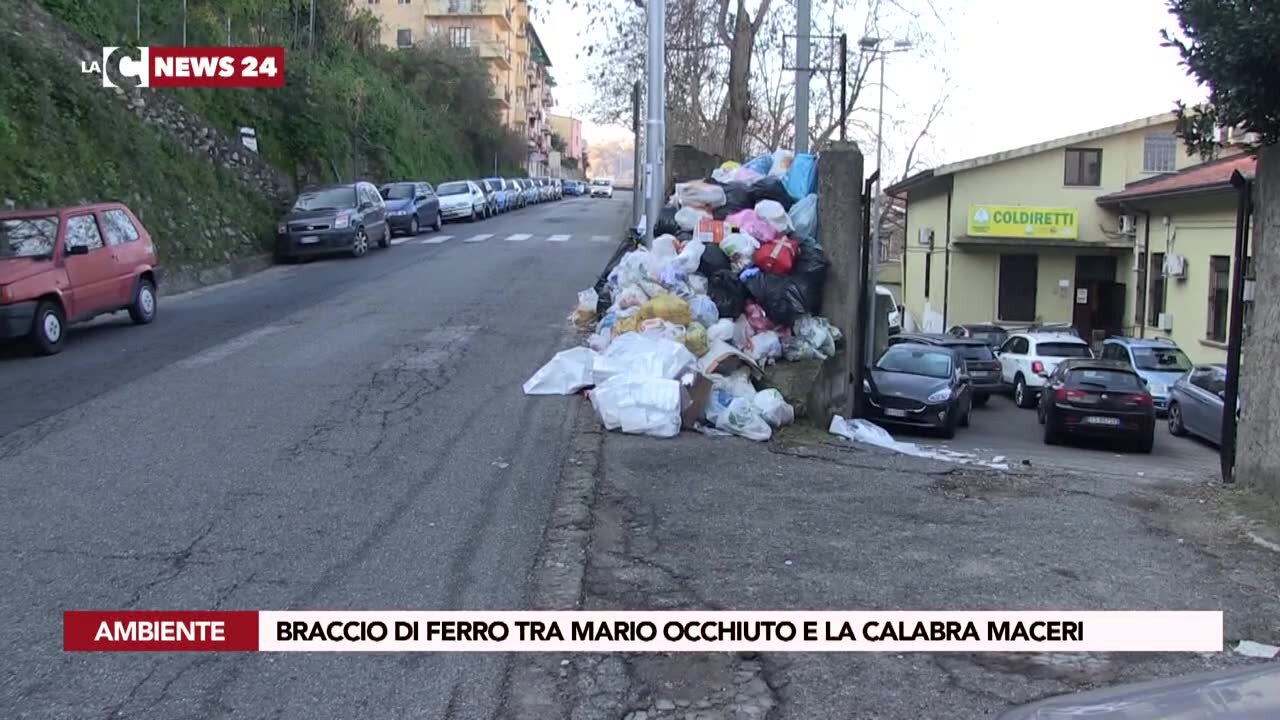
731 283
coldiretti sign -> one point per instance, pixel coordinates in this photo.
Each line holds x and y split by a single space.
1023 221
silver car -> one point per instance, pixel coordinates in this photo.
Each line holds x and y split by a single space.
1196 400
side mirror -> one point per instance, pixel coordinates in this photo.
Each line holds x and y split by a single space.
1222 394
77 250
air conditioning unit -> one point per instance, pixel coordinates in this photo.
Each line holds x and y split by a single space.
1164 321
926 237
1127 225
1175 266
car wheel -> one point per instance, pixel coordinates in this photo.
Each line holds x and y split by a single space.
472 217
1022 396
360 245
980 399
1051 434
1146 442
413 226
48 327
964 419
948 431
439 221
143 308
385 242
1040 414
1176 427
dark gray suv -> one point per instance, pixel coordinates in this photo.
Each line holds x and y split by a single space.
333 219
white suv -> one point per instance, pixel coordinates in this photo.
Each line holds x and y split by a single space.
1028 358
602 187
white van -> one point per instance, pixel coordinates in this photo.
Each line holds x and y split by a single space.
895 315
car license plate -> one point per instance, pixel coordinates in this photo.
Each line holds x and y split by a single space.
891 412
1095 420
309 239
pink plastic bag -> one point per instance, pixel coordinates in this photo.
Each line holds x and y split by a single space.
756 319
752 224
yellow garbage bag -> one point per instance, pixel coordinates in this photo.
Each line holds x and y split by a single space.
695 339
669 308
730 165
630 323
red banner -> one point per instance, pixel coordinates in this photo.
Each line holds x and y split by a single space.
159 630
244 67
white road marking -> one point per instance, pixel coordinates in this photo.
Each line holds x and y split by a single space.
518 237
436 240
230 347
557 238
399 240
479 238
601 238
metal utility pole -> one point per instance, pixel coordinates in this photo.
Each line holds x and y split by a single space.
137 21
311 28
844 84
656 127
1235 327
184 23
637 201
228 30
802 75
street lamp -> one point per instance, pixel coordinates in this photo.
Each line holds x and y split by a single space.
883 47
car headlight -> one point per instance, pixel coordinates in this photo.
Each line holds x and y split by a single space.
866 386
941 396
1158 389
281 229
342 221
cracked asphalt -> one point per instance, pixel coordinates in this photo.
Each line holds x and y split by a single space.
338 434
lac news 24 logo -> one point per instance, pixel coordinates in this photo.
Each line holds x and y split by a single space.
225 67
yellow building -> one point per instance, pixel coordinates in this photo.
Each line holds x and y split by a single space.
499 32
1018 236
1184 233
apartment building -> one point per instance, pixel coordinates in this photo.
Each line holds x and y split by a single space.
500 33
570 128
1058 232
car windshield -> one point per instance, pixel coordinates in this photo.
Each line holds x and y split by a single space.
602 183
452 188
399 191
327 199
1063 350
1170 359
28 237
973 352
1096 378
495 183
916 361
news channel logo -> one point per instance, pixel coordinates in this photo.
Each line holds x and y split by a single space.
127 67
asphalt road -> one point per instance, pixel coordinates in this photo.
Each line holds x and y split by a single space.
1002 429
338 434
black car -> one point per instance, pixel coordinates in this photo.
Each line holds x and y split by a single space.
411 206
993 335
919 385
336 218
979 362
1097 398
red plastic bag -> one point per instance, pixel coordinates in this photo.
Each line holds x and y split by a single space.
777 257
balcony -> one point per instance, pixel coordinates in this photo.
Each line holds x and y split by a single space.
503 96
499 10
492 49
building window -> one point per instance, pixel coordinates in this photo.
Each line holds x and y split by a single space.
405 2
1159 153
404 38
1155 289
1084 167
460 37
1017 292
1219 296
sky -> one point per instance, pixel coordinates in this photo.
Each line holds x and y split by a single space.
1021 71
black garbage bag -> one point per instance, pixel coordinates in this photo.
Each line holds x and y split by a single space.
737 197
810 270
666 224
713 260
781 296
725 290
770 188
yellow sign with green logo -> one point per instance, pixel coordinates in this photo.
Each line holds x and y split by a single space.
1014 221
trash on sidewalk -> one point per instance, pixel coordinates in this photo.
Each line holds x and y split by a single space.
1249 648
867 432
681 330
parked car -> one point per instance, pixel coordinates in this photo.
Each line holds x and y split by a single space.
336 218
65 265
1196 402
411 206
991 334
602 187
572 187
461 200
1028 358
490 191
979 362
1158 361
919 385
528 191
544 188
502 193
1098 398
559 186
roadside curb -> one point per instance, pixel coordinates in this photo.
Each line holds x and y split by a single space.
185 279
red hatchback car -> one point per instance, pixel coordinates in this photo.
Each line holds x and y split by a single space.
66 265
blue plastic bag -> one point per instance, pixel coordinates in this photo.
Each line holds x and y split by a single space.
802 177
804 218
760 163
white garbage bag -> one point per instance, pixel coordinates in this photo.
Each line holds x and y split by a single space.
739 245
639 405
782 160
764 347
635 354
664 247
738 415
772 212
774 408
565 374
688 218
720 331
704 311
699 193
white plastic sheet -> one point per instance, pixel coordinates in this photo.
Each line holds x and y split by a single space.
865 431
641 356
639 405
565 374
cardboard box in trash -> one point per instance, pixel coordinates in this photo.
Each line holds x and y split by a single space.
695 387
695 392
713 231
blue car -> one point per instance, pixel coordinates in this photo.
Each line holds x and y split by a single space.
501 193
411 206
1158 361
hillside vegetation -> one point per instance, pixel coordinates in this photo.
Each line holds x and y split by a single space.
349 109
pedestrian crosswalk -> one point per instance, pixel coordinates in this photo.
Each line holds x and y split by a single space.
514 237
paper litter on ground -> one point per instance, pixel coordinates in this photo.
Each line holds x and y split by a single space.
865 431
